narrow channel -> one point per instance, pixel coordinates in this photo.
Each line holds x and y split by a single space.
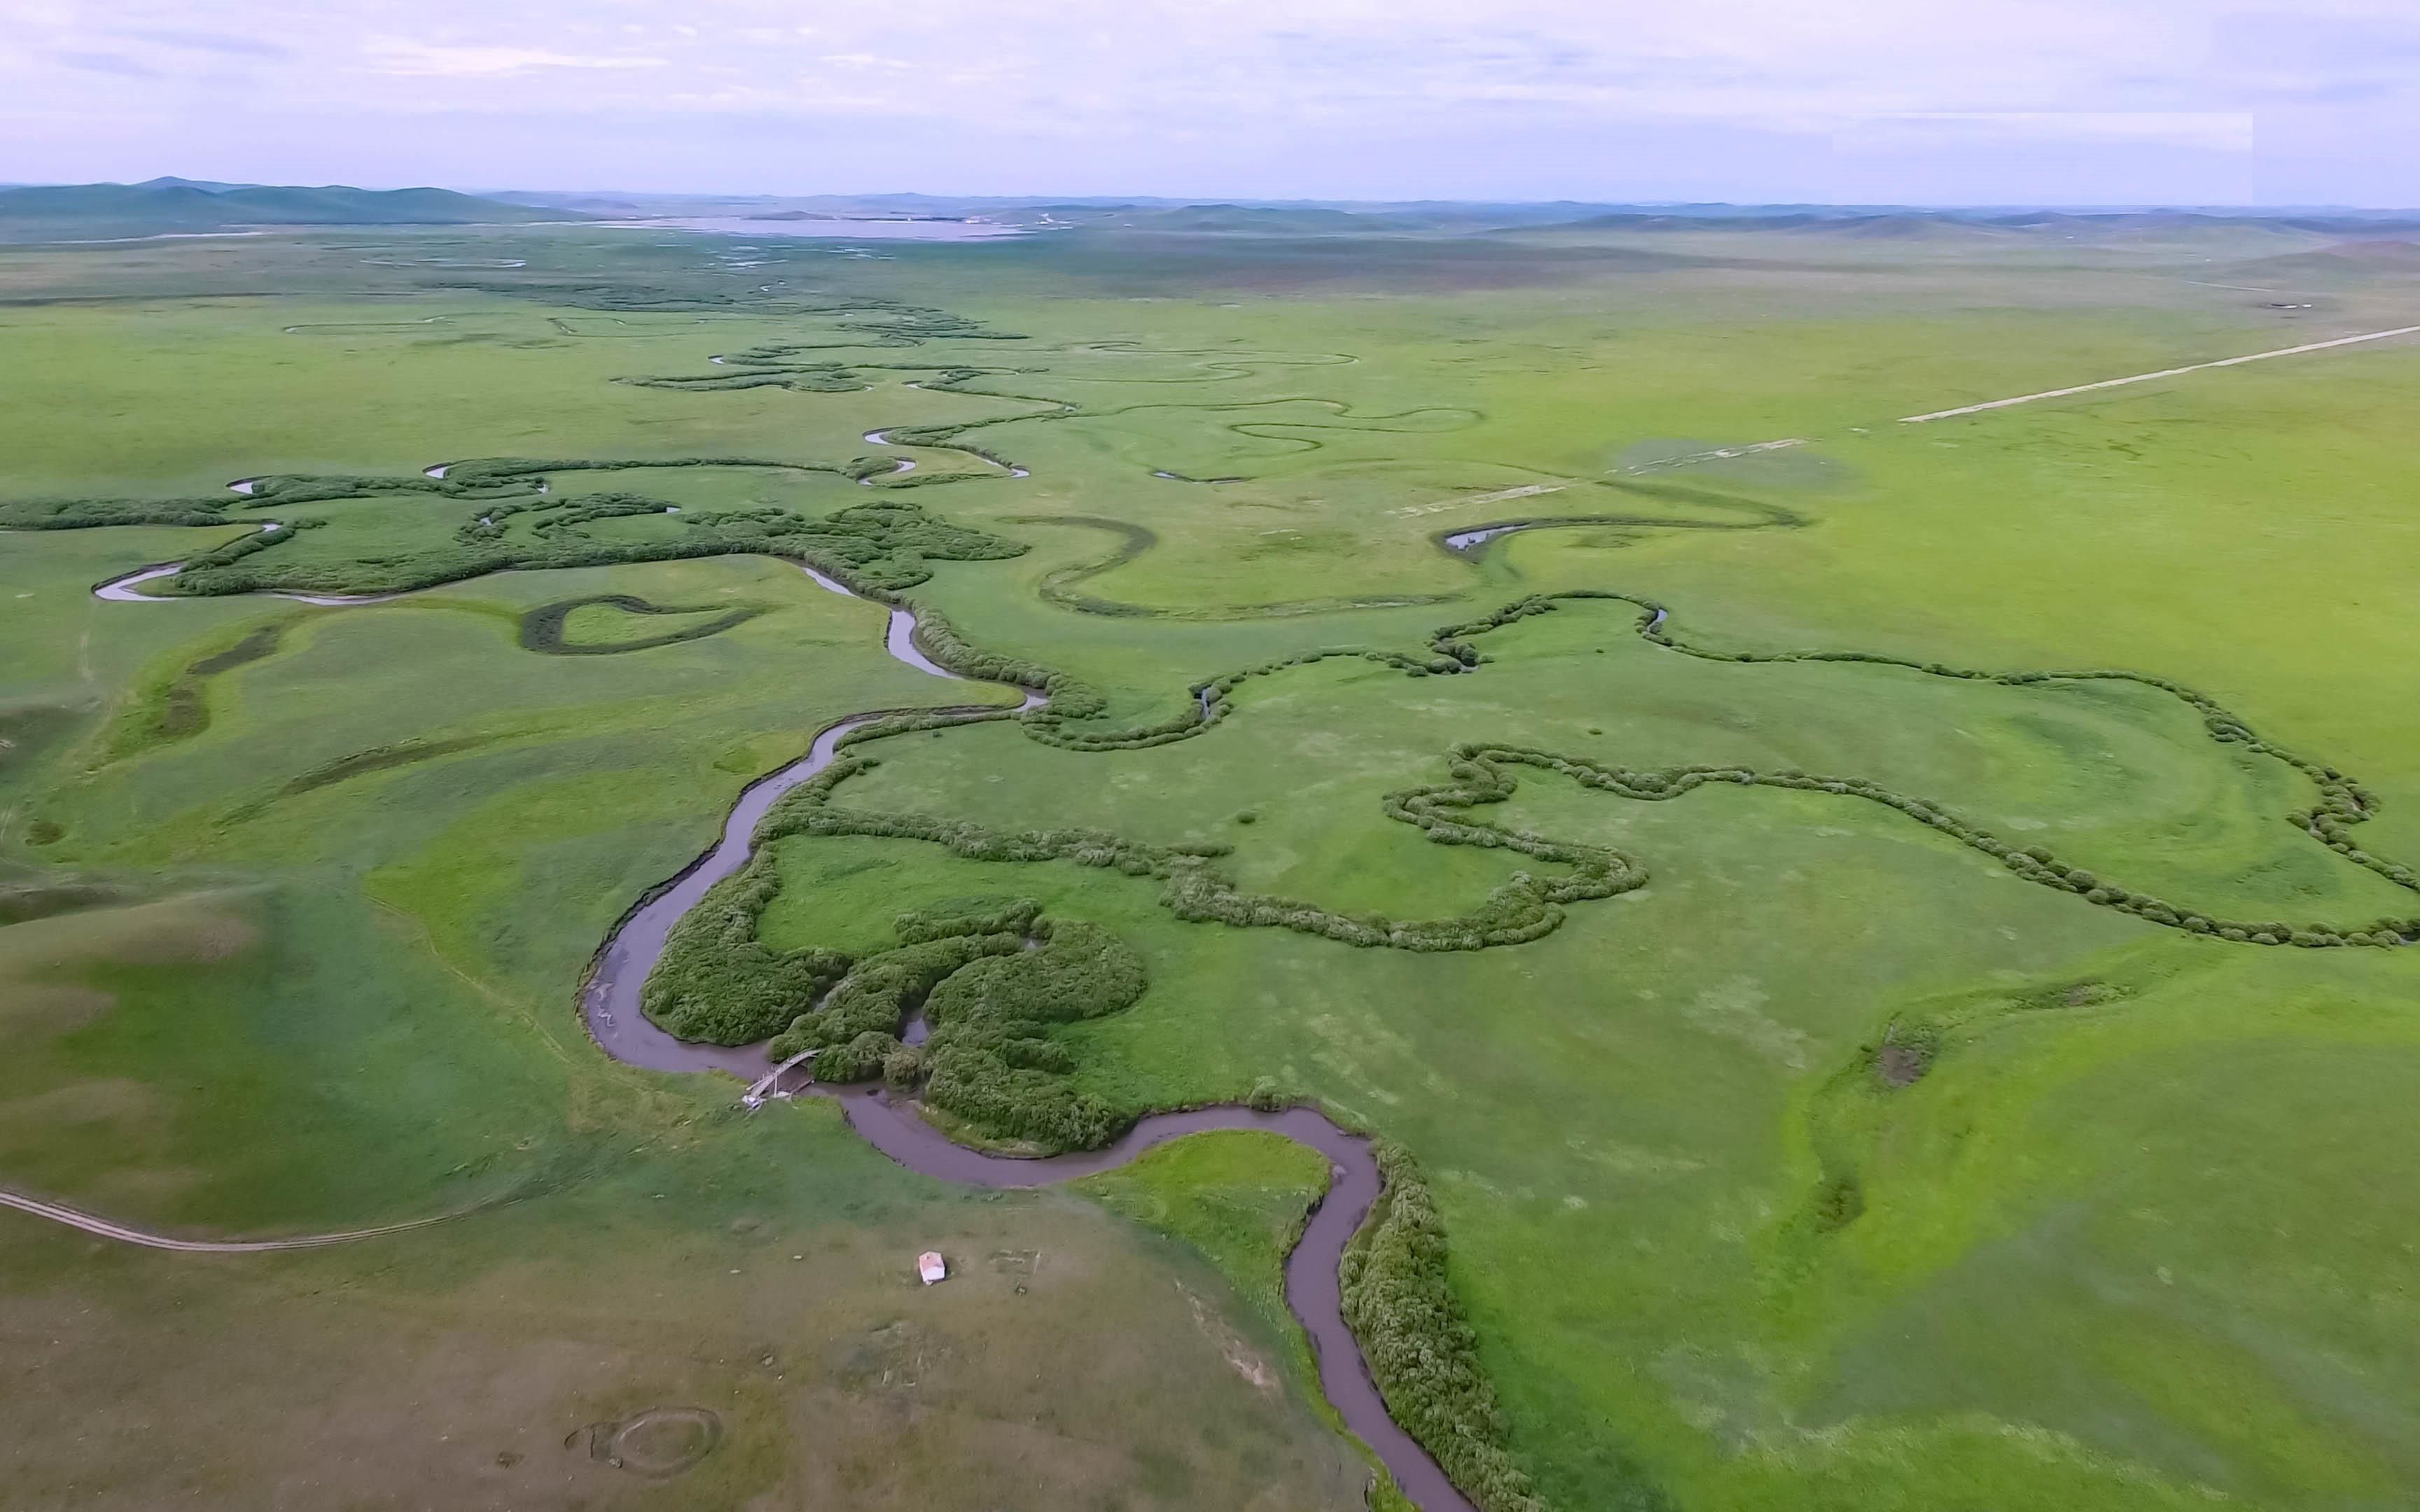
610 1004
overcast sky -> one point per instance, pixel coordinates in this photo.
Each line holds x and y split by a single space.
1970 101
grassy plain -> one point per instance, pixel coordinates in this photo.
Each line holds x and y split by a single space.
2128 1239
760 1270
1239 1200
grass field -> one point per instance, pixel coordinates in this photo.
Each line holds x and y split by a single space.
1838 1165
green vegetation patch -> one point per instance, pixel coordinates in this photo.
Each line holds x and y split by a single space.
179 707
716 982
877 547
1239 1197
546 627
1833 1169
992 1060
1420 1347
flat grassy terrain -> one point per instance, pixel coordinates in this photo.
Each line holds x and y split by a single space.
760 1273
1239 1199
1838 1165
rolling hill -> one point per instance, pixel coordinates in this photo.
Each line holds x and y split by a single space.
60 212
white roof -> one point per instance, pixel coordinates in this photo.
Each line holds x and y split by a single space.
931 1267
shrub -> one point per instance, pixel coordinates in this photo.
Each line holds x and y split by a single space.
990 1057
1006 1102
716 982
1419 1348
861 1058
879 547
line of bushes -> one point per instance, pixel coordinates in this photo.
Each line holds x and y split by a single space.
1522 908
569 517
716 982
878 548
881 545
881 990
542 628
92 514
1527 907
773 365
991 981
1052 725
227 553
803 377
991 1060
2342 801
217 509
2034 863
1070 698
1419 1348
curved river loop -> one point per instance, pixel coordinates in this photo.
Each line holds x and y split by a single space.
609 1005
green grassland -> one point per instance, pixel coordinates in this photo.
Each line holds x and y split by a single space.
1834 1164
488 1362
283 1004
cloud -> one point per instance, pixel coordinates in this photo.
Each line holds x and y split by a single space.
117 63
206 43
2219 131
1578 97
411 60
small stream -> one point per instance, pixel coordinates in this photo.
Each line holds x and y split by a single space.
610 1004
122 590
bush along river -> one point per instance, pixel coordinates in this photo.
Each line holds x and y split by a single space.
1312 1285
610 1004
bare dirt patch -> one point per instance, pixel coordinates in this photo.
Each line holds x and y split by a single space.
658 1444
1240 1357
1900 1065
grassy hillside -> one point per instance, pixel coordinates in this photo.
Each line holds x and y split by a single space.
58 212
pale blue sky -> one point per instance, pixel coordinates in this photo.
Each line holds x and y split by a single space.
2080 101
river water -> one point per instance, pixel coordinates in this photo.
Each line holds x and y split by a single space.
610 1004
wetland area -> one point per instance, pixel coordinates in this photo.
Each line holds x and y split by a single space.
1424 918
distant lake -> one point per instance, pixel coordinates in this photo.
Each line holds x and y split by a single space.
740 225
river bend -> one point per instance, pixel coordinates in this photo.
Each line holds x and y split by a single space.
610 1004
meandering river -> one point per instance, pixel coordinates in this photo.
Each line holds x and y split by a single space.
609 1003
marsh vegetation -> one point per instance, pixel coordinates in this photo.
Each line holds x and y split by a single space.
1891 968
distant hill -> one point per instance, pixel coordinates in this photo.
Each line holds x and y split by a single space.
1661 220
2385 253
2345 265
1254 220
1953 226
1908 228
1208 218
60 212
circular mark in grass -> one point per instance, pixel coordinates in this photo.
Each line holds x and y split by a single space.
658 1444
542 628
1900 1065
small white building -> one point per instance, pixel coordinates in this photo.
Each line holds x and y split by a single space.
931 1267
